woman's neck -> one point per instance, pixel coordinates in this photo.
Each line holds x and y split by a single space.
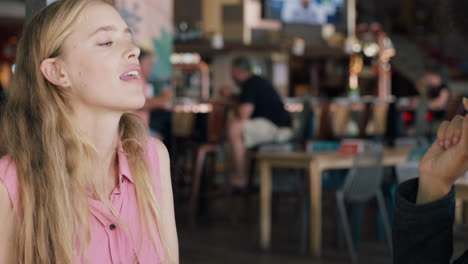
102 130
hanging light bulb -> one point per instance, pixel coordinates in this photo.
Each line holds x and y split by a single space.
371 49
352 45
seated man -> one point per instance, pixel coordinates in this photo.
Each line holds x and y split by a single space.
261 118
436 92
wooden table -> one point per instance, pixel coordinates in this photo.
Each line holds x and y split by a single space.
315 163
461 196
461 191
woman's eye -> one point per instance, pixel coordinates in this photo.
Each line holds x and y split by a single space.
106 44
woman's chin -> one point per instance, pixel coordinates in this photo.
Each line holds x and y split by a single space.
132 106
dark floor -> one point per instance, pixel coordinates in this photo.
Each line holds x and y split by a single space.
228 233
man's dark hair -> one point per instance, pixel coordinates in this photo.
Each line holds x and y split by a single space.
241 63
434 68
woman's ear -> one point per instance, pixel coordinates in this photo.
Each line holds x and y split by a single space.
54 73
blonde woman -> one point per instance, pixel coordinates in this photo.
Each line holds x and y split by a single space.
80 181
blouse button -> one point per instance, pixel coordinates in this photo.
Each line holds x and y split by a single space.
112 227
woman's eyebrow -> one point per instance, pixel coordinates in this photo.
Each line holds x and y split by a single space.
109 28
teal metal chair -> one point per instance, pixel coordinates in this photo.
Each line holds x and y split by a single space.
334 179
362 184
414 156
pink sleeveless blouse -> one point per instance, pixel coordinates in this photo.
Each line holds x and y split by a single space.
111 243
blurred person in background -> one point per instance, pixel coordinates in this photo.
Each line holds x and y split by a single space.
80 179
261 118
152 102
432 102
436 92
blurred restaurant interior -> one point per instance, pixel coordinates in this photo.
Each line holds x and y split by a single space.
356 77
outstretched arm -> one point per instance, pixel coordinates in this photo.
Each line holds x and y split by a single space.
424 211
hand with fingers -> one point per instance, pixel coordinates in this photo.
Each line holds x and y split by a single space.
445 161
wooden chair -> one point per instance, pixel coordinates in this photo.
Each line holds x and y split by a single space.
325 131
380 118
216 128
340 119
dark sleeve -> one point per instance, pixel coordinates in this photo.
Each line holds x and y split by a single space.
422 233
248 94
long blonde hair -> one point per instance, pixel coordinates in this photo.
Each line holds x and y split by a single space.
53 159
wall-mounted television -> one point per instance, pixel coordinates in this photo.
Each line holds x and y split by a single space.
312 12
